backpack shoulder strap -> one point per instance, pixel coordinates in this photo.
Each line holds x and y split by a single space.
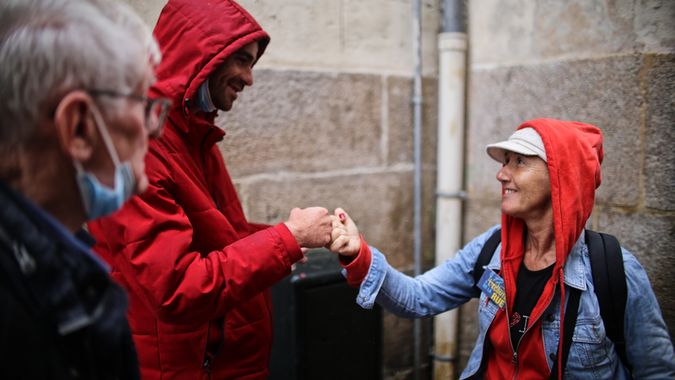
486 255
609 280
571 314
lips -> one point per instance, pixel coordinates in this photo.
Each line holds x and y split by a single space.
235 90
235 87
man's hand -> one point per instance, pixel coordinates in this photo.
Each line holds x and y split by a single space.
310 226
345 238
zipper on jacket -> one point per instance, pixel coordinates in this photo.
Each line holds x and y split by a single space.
202 156
206 364
514 359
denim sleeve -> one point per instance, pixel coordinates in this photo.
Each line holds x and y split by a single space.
648 346
445 287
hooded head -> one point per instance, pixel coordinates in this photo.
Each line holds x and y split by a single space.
573 154
196 37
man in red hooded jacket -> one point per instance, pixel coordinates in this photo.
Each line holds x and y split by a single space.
196 270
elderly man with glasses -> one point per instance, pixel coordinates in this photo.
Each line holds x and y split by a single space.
73 135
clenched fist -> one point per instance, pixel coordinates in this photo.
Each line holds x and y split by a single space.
310 226
345 238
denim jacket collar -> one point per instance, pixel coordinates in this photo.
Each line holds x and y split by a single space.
574 271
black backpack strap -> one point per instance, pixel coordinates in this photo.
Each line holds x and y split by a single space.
571 313
609 280
486 255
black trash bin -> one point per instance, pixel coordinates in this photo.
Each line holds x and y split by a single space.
319 330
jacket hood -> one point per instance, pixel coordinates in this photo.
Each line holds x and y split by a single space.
195 37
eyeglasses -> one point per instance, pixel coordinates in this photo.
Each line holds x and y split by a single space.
155 109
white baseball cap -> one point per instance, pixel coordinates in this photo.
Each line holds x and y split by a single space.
525 141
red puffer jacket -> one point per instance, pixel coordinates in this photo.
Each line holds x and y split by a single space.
196 271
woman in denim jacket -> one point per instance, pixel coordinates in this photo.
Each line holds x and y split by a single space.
550 172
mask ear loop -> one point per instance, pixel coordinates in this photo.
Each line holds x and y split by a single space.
105 135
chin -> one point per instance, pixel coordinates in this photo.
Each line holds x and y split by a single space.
509 212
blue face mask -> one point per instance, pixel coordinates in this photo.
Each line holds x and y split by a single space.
98 199
204 98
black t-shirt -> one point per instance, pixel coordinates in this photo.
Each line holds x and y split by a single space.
529 286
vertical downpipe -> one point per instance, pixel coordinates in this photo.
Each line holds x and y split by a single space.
452 47
417 140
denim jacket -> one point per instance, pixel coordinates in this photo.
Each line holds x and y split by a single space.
592 355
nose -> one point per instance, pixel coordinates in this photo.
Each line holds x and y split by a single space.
247 76
503 174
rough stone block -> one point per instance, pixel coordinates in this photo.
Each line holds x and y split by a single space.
651 238
654 25
660 132
304 32
510 32
303 121
500 31
346 34
582 27
604 92
400 120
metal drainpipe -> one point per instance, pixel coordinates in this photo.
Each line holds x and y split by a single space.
452 47
417 151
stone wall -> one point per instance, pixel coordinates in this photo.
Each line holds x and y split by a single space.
329 122
608 63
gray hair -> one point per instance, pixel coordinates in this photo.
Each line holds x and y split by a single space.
50 47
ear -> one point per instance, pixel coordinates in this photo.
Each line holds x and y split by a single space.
74 126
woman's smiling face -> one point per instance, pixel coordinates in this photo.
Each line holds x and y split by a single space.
526 186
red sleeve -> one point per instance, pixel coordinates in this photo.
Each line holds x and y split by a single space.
149 244
357 266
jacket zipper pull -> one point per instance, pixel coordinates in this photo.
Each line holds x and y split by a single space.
207 365
515 359
26 261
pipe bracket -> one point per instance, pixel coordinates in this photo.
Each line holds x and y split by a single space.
461 195
443 358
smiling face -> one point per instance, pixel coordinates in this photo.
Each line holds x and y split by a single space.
232 76
526 186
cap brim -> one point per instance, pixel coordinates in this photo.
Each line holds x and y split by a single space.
497 150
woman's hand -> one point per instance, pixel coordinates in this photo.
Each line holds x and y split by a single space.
345 238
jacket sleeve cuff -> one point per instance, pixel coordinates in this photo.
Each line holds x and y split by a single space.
291 245
357 266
